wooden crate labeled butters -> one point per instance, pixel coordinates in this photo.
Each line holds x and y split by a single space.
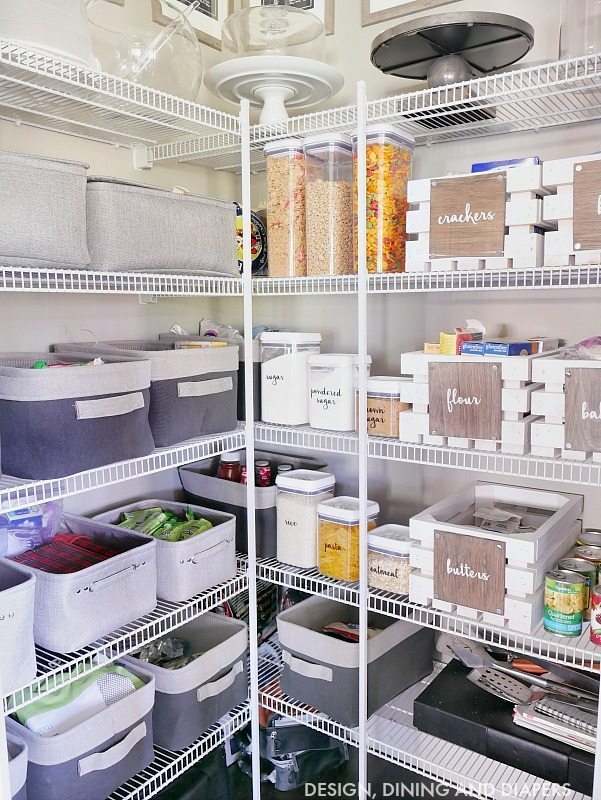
490 220
480 402
568 406
495 578
573 207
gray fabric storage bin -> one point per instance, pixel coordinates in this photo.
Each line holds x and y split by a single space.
202 486
191 699
59 421
17 767
184 569
324 672
43 220
17 650
140 228
73 610
192 392
95 757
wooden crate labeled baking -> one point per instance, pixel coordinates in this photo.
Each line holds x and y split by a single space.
481 402
497 578
574 208
569 408
490 220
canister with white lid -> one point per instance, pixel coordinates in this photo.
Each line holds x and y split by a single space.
286 215
285 376
299 492
332 381
388 553
338 536
383 405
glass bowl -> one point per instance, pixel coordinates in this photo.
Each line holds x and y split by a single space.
274 30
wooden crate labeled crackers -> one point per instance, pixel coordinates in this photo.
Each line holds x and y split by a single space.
480 574
481 402
490 220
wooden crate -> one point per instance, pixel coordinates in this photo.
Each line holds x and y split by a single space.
573 207
512 595
496 392
513 238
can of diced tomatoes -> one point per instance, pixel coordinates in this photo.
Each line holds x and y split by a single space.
596 615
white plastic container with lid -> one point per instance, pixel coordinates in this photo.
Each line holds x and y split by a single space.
338 536
299 492
388 555
329 204
383 405
286 216
332 381
285 376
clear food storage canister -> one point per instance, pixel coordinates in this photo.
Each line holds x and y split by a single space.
383 406
388 551
332 381
338 536
299 492
389 156
285 168
329 198
285 376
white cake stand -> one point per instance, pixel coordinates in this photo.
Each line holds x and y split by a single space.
274 83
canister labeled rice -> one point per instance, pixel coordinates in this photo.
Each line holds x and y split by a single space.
565 598
590 537
590 554
588 572
596 615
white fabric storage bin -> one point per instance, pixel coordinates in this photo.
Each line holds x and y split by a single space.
43 221
191 699
285 376
73 610
17 767
142 228
17 650
184 569
332 381
92 759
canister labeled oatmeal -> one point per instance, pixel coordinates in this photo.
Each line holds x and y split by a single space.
383 406
588 572
388 554
299 492
338 532
285 169
565 598
590 537
596 616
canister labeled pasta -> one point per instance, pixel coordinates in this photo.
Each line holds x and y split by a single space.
588 572
383 406
286 215
338 524
388 553
299 493
565 598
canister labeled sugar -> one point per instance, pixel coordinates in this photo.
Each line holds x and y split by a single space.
389 567
338 521
299 493
285 376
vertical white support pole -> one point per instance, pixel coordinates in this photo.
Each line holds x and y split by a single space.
597 774
250 446
363 438
4 776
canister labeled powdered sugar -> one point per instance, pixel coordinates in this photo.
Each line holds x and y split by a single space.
299 492
332 380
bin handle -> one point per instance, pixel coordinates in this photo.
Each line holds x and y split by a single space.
112 756
204 388
196 558
115 406
95 585
220 685
306 669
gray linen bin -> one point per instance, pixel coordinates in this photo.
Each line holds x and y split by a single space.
324 672
43 220
17 767
192 392
191 699
17 650
142 228
59 421
184 569
92 759
202 486
73 610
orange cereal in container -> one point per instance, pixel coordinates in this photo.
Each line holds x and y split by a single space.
389 153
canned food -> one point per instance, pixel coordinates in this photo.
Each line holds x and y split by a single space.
588 571
262 473
244 475
590 553
565 598
590 537
596 615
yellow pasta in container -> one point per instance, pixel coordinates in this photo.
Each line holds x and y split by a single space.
338 536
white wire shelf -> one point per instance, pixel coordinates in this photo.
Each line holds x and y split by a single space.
49 93
16 493
169 765
56 669
391 736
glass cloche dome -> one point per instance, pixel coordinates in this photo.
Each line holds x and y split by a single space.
147 41
274 30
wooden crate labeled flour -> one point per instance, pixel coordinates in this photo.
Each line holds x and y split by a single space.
480 402
461 567
490 220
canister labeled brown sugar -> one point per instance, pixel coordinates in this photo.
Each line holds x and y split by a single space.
383 406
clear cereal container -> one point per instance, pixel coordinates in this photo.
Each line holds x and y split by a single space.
329 199
338 536
389 155
383 405
285 376
285 168
388 552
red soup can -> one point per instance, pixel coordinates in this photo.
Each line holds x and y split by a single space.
596 615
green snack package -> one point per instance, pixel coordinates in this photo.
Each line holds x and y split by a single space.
146 521
190 528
